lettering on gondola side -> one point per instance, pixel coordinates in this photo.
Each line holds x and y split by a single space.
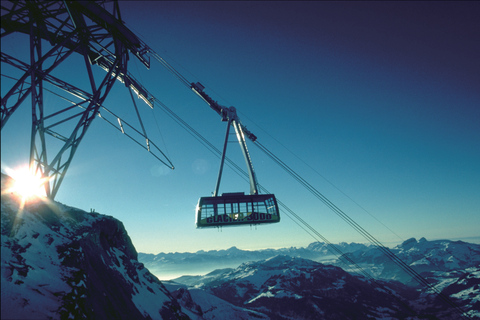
237 218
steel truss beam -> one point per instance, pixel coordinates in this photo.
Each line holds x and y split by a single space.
89 28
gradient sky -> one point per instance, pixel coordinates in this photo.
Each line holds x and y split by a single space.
376 104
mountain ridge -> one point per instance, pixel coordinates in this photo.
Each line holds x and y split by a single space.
60 262
423 256
308 287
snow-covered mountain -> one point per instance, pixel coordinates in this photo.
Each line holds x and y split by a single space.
451 267
172 265
283 287
200 304
427 258
463 287
294 288
60 262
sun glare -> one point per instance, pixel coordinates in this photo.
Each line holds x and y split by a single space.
28 185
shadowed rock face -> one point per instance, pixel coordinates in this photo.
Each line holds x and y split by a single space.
98 254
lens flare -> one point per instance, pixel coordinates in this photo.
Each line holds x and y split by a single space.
28 185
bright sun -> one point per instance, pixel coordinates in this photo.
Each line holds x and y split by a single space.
28 185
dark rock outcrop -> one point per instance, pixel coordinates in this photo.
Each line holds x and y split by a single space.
60 262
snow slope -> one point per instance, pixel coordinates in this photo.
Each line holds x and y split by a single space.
283 287
198 303
423 256
60 262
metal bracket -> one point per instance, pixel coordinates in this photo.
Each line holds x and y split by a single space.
233 120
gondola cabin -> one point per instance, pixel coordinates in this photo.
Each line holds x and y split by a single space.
235 209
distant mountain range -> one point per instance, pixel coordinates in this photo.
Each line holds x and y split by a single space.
60 262
452 267
428 258
284 287
171 265
424 257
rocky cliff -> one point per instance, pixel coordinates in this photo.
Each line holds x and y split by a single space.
60 262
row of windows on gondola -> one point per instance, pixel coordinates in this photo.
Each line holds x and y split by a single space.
212 209
237 209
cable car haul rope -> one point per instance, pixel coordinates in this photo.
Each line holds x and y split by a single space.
235 209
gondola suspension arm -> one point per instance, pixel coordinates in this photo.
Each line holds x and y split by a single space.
221 110
230 115
233 120
234 209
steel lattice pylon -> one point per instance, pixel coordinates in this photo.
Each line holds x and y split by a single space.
56 30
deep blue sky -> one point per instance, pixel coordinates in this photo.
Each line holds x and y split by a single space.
379 100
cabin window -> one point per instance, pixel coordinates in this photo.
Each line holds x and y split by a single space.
208 210
221 208
243 207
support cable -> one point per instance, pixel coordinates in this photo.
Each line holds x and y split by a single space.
386 251
139 118
309 229
324 178
170 68
302 223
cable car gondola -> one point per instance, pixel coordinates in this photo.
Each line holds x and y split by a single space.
234 209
